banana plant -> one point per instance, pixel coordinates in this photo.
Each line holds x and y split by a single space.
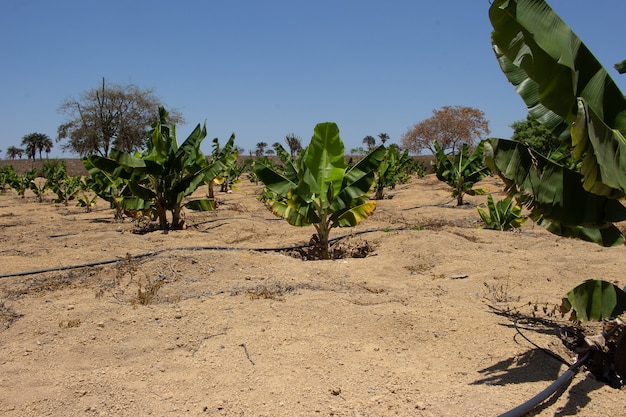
38 188
66 189
318 188
503 215
462 172
163 177
393 169
5 173
108 186
567 90
228 176
85 198
21 183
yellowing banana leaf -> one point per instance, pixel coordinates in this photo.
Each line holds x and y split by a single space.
355 215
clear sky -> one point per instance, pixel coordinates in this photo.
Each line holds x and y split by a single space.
265 69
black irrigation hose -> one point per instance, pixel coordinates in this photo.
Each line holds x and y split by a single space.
183 248
549 391
555 386
544 350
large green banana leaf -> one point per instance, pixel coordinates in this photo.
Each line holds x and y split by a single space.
324 161
558 77
555 194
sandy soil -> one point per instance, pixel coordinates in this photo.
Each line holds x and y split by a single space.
210 321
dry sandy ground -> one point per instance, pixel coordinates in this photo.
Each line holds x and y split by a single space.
201 322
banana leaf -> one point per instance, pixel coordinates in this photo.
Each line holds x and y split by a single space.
562 83
594 299
555 194
324 161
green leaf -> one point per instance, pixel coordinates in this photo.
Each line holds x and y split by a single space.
554 194
603 152
594 300
563 83
324 160
536 40
204 204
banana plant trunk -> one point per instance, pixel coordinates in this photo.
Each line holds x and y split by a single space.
323 234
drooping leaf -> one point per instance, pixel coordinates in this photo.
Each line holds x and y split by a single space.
554 194
563 83
603 153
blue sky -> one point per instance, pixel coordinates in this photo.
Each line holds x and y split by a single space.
265 69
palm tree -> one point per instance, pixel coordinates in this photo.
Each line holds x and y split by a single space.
46 146
369 141
294 143
36 142
383 137
12 152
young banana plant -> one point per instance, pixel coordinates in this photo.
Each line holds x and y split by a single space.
503 215
462 172
393 169
318 188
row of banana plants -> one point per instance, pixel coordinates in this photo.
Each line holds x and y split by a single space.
54 178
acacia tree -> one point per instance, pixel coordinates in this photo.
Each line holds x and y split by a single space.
36 142
110 116
450 127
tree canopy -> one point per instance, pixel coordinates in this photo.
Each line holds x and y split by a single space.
536 135
110 116
450 127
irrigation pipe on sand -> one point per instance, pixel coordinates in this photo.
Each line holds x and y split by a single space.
192 248
564 379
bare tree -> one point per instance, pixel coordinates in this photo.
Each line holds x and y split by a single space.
112 116
450 126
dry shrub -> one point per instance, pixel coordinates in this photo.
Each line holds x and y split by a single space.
7 315
135 286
